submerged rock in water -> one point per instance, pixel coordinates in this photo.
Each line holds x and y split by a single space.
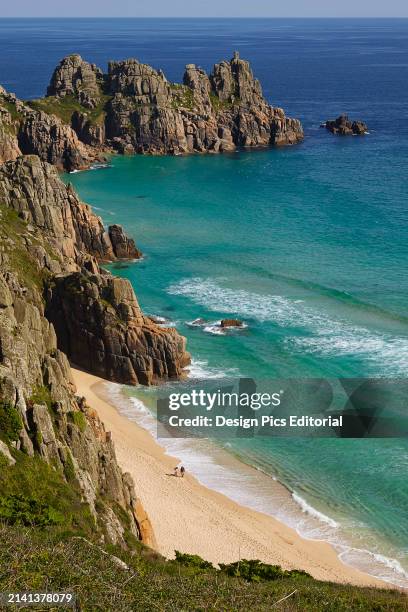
345 127
231 323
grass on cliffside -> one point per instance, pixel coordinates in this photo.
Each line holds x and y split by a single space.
32 493
66 106
13 235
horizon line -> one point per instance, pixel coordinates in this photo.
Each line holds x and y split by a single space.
34 17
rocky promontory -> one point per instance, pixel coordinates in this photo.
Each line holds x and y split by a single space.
133 108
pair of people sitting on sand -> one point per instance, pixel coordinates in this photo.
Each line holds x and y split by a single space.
181 471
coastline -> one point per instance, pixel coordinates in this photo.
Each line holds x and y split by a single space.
192 518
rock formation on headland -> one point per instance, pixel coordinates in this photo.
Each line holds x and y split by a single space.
135 109
345 127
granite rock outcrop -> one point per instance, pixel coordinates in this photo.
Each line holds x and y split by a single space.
133 108
145 113
57 303
35 382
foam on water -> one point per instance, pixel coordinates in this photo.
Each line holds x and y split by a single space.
308 509
200 370
384 354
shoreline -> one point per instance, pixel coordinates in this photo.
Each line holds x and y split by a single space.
187 516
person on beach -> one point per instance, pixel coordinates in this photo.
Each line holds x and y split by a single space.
175 473
182 471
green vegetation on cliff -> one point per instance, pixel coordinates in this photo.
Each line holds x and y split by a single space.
183 96
32 493
65 107
10 423
35 559
13 238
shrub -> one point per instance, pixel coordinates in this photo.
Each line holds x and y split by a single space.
10 422
78 418
192 560
255 571
42 395
21 510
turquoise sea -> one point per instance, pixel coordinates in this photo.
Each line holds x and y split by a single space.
308 245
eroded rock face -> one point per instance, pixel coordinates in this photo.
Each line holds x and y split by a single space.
123 247
343 126
134 109
53 141
9 148
34 190
49 239
96 316
64 431
88 132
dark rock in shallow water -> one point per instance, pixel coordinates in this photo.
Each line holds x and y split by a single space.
345 127
231 323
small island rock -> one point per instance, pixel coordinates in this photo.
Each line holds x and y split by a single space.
345 127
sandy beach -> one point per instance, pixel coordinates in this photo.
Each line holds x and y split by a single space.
191 518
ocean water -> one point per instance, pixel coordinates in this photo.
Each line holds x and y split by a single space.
307 244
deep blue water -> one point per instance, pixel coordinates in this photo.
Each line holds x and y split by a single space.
307 244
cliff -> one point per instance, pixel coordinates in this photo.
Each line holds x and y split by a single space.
97 319
42 421
26 130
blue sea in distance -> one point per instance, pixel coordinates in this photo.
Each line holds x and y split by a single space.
307 244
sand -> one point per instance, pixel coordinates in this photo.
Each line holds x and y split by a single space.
189 517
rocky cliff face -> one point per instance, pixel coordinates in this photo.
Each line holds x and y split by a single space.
134 109
74 76
34 190
35 382
101 328
96 316
9 147
29 131
144 113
